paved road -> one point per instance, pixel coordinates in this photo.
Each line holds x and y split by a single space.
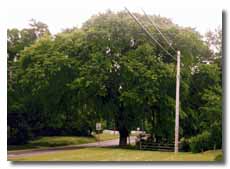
24 153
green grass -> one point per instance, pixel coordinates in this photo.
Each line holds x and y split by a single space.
61 141
117 154
105 136
55 141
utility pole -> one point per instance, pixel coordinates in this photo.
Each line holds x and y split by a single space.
177 103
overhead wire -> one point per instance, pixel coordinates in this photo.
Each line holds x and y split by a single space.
158 29
145 29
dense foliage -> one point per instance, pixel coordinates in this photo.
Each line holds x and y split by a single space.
108 71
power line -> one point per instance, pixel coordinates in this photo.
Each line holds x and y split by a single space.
158 29
147 32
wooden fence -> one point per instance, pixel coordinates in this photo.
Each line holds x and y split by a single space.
143 145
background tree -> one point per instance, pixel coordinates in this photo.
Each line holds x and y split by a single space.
214 41
17 40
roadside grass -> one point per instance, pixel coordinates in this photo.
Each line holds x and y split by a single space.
118 154
106 136
55 141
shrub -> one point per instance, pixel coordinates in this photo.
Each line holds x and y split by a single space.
184 144
18 136
18 131
201 142
219 157
216 135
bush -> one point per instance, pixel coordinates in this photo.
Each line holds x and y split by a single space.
219 157
216 135
201 142
18 136
18 131
184 144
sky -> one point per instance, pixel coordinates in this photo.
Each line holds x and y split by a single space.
59 18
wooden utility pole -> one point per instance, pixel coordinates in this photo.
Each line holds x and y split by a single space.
177 103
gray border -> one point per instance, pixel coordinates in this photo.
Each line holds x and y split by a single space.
224 86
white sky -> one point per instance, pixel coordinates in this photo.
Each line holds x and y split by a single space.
59 18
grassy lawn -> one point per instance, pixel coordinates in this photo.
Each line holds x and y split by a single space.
105 136
117 154
55 141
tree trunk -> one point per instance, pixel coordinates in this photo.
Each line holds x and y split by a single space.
122 126
123 137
